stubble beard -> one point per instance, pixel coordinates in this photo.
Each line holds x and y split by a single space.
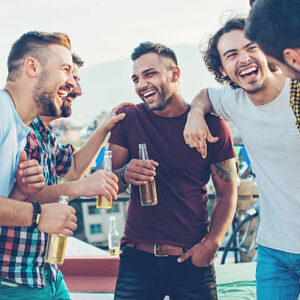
44 98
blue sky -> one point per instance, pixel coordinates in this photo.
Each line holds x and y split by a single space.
109 30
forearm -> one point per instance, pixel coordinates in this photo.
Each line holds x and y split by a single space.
15 213
73 190
222 216
201 103
83 159
121 184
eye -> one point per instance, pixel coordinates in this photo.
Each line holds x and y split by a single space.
231 55
149 74
135 80
252 48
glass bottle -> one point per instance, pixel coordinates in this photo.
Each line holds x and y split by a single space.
56 243
148 194
103 202
113 237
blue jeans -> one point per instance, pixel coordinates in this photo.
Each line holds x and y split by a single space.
142 276
54 290
277 274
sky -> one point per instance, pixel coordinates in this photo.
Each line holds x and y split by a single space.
108 30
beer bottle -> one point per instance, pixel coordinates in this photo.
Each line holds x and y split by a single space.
56 243
102 202
113 237
148 194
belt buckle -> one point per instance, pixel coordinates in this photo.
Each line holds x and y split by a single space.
158 255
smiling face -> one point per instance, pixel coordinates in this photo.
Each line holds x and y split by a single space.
54 81
242 61
152 78
66 109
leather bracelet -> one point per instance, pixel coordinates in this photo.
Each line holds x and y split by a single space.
36 214
122 174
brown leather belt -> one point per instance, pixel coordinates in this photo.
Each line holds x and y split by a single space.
158 250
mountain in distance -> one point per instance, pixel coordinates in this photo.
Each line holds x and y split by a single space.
105 85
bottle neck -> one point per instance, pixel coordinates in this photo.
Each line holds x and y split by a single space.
112 226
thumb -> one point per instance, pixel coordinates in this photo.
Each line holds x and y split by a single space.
211 139
184 256
23 156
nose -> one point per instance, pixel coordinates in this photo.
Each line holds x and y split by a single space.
142 84
77 90
244 57
71 81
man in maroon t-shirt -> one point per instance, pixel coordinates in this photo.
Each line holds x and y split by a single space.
152 263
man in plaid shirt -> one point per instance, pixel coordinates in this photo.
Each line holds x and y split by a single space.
61 160
275 26
39 74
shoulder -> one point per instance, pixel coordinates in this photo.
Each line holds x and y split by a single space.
132 110
5 107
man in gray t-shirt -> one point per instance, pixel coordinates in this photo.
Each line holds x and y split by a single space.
258 103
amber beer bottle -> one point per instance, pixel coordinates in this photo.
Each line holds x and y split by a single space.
56 243
113 237
148 190
102 202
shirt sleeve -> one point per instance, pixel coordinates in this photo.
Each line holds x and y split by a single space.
31 148
63 158
223 149
5 118
119 132
219 100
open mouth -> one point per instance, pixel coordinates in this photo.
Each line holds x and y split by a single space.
249 72
62 93
148 95
70 98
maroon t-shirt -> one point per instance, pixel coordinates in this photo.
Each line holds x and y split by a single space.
180 217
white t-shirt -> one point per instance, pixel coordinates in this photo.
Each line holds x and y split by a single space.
272 141
12 140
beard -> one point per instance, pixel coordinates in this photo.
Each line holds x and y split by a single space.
163 99
66 110
45 99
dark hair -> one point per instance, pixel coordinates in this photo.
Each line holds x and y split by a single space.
31 44
274 25
148 47
252 2
77 60
212 57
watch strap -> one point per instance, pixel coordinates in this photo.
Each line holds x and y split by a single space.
36 214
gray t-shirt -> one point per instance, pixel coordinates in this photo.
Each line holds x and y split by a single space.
273 144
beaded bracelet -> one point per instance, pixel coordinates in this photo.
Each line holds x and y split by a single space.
122 174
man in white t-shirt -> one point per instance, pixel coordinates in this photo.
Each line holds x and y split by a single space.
257 101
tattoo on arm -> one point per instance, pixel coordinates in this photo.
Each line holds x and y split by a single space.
225 170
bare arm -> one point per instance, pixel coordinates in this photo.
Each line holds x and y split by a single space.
55 218
224 178
83 159
137 172
196 131
99 183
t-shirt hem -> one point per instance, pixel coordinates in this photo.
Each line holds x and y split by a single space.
278 248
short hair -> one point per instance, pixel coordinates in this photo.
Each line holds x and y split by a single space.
77 60
32 44
274 25
251 2
211 55
149 47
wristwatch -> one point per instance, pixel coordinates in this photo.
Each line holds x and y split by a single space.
36 214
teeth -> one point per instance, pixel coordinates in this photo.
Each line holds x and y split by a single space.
62 93
247 71
149 94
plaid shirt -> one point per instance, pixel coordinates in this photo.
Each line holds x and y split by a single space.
295 100
22 250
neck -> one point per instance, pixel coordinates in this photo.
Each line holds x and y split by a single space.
270 91
47 120
23 101
175 107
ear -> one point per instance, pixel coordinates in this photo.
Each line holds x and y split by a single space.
292 57
32 67
223 72
175 74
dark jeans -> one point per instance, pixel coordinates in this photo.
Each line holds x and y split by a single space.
142 276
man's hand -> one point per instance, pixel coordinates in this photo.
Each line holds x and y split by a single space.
202 254
29 176
112 119
138 171
102 183
196 132
57 218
